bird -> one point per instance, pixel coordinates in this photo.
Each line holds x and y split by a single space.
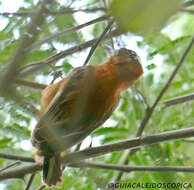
78 104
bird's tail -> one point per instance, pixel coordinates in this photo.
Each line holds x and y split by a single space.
52 172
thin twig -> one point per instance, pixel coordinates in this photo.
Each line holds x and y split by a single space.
30 84
111 38
41 187
150 110
125 168
23 101
98 41
69 30
143 97
179 100
56 74
20 172
187 11
71 11
78 146
16 157
31 68
22 13
58 12
11 165
30 182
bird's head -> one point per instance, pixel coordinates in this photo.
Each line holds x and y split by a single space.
128 64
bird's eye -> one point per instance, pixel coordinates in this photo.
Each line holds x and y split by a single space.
135 57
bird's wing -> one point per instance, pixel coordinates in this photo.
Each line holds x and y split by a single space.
60 127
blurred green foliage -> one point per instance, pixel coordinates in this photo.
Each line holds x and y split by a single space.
169 41
141 16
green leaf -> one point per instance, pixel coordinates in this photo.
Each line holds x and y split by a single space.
112 138
18 131
64 22
140 16
109 130
150 79
4 142
151 66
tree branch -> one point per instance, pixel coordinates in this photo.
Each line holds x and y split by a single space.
31 68
11 165
26 40
30 182
134 143
20 172
41 187
30 84
187 11
125 168
111 39
58 12
188 3
69 30
71 11
16 157
98 41
22 13
179 100
72 158
18 98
